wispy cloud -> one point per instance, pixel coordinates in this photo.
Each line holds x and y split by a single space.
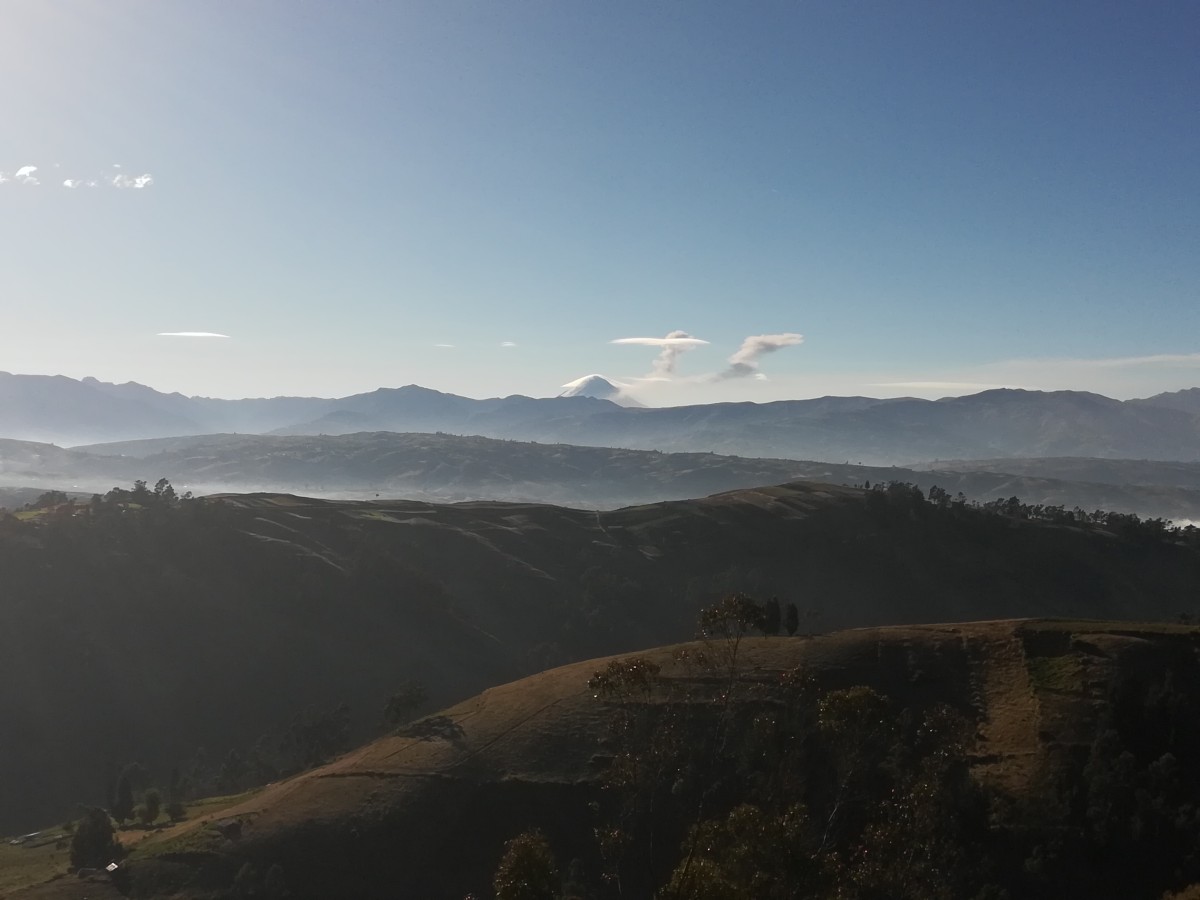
136 182
1114 376
744 362
951 386
671 348
444 346
507 344
1187 360
191 334
27 175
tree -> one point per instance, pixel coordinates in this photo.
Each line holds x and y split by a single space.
527 870
731 618
94 843
151 806
49 500
175 792
275 885
771 616
749 855
122 809
247 881
791 619
163 492
403 705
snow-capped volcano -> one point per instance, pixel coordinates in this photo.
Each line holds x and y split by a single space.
599 387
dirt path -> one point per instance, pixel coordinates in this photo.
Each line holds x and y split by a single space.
1007 753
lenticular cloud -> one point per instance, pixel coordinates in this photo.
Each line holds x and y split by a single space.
672 347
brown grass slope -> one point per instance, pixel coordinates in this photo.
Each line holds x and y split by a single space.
425 813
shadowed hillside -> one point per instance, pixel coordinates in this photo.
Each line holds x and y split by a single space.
142 629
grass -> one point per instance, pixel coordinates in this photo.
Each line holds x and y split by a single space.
1055 673
201 839
33 863
49 854
189 838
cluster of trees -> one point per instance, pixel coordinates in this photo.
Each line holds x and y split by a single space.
725 785
740 613
132 797
140 495
1129 525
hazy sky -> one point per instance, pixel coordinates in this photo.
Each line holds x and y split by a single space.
481 197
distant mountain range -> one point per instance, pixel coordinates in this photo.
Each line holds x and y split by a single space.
998 423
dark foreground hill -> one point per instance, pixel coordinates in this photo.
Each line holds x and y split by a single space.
1033 759
142 628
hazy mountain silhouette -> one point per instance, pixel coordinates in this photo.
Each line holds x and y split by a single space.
996 423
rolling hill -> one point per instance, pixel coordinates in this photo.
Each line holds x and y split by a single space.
143 631
988 721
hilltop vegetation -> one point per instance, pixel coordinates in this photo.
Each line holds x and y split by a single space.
141 627
1035 759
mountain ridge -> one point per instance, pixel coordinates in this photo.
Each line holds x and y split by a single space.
994 423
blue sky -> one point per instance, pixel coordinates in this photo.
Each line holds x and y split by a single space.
938 196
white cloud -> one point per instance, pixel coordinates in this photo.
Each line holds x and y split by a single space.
28 175
191 334
136 182
672 346
579 382
444 346
744 362
507 344
682 341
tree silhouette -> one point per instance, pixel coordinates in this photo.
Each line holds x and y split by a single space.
122 809
771 616
94 843
527 870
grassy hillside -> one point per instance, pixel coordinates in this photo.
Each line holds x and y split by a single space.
145 631
1020 758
